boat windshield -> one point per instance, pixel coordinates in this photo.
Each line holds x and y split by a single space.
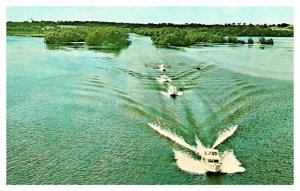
211 153
213 161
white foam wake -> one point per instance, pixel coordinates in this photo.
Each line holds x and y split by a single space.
168 94
199 147
163 79
177 139
222 136
186 163
230 164
165 93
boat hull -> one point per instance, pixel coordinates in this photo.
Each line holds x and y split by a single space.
211 167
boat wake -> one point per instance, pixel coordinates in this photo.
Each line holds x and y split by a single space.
187 163
177 139
230 164
168 94
222 136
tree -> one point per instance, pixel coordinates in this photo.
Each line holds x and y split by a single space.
283 25
232 39
270 41
250 41
262 40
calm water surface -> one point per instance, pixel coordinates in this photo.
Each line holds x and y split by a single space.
77 115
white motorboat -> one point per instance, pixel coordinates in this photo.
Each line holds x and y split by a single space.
211 160
164 78
163 68
172 91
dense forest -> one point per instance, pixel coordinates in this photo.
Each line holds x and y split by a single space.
110 34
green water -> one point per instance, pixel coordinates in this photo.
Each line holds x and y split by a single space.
77 115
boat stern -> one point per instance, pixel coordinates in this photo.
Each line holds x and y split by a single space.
211 160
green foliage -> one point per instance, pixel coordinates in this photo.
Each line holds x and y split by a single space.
184 36
262 40
216 38
28 29
173 38
112 37
115 34
250 41
43 27
66 36
232 39
270 41
96 36
241 42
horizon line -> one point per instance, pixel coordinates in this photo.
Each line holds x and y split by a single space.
187 23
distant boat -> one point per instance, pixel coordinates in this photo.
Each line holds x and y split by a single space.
198 68
164 78
163 67
172 91
211 160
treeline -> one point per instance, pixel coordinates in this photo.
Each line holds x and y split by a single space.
190 25
115 34
30 29
229 29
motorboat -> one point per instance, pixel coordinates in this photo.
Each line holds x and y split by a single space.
164 78
163 68
172 91
198 68
211 160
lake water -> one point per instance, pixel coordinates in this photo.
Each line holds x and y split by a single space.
78 115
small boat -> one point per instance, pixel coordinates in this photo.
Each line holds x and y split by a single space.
198 68
172 91
164 78
163 67
211 160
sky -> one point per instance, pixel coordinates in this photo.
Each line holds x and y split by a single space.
179 15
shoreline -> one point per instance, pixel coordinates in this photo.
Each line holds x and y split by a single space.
166 46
